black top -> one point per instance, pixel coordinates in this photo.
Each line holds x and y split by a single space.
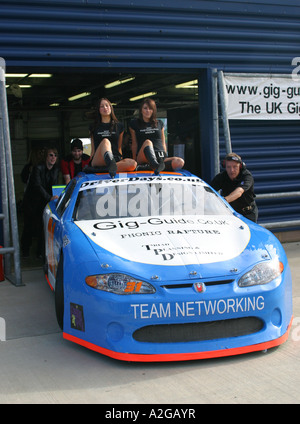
39 188
226 185
110 131
146 131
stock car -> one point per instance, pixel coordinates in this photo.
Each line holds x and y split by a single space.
160 268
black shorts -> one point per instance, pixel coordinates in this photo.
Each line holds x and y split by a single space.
118 157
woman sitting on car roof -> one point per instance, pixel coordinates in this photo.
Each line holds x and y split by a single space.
106 141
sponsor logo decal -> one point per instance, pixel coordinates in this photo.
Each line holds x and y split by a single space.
77 317
198 308
169 240
162 221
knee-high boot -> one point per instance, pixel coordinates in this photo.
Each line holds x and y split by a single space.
155 165
111 163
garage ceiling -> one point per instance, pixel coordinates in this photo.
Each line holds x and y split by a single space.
38 91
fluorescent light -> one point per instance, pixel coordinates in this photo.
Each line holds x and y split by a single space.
15 75
188 84
78 96
54 104
25 86
40 75
28 75
118 82
142 96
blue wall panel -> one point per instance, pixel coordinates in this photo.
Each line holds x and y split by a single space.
232 35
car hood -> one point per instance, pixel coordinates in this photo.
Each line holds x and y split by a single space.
176 248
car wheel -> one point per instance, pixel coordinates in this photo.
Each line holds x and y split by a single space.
59 292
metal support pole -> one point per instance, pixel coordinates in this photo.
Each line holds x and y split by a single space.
280 224
17 278
215 122
4 195
278 195
222 93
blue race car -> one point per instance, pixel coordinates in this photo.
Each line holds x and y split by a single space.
160 268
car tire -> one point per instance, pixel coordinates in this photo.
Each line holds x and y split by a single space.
59 293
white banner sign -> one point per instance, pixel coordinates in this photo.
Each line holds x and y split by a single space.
249 97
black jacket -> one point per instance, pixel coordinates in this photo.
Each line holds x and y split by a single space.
39 188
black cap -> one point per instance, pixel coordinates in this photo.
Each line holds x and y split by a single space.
76 144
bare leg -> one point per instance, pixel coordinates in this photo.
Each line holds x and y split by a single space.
126 165
174 163
98 158
147 155
103 157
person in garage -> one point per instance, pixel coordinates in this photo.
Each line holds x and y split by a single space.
148 140
74 163
37 194
237 186
106 141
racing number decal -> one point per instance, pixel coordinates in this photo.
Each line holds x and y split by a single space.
51 259
132 286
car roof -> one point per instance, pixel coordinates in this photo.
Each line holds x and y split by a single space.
94 176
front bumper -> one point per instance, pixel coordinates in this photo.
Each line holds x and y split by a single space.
179 324
169 357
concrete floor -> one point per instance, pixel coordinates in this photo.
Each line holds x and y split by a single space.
38 366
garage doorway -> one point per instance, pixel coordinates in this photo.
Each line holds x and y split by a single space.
56 107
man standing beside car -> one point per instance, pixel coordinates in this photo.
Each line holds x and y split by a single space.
237 186
74 163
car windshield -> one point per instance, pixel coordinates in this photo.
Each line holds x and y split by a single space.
147 196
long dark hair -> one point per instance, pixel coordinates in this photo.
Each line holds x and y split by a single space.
152 105
98 118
